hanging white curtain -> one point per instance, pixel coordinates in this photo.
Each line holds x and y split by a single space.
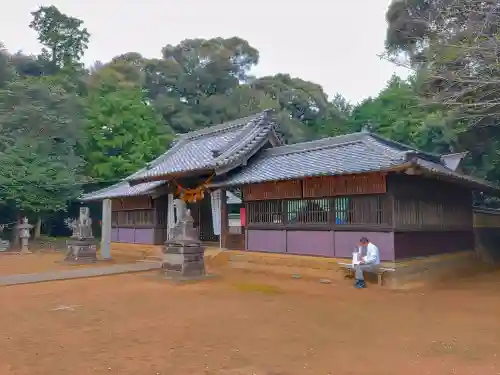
170 216
216 210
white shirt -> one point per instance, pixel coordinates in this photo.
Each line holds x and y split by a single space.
372 254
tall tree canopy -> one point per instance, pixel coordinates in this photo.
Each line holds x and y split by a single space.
123 131
453 47
62 125
39 128
398 114
63 36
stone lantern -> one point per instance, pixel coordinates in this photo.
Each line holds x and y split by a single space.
24 234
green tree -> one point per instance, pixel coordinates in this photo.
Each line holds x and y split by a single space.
65 41
39 129
453 48
302 102
123 131
397 113
193 71
64 36
7 71
335 121
341 105
201 82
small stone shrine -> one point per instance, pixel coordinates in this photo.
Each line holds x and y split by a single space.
24 234
183 255
82 246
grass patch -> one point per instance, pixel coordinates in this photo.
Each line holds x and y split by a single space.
258 288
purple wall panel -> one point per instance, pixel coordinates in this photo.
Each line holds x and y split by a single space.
266 240
144 235
311 243
345 242
133 235
320 243
114 234
126 235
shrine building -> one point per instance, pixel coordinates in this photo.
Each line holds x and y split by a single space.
314 198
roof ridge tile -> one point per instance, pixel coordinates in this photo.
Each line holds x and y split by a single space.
220 128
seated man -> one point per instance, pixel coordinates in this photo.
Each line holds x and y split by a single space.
369 259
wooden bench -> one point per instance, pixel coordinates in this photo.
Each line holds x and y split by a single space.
379 271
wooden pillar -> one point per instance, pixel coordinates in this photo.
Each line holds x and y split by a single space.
106 229
224 219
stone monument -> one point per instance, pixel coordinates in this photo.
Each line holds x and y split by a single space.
82 246
183 255
24 234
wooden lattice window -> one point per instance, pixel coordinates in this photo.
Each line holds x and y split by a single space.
265 212
313 211
144 217
359 210
135 218
345 210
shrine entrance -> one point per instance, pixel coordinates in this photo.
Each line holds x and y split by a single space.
202 215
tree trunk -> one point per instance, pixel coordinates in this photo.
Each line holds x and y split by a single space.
38 228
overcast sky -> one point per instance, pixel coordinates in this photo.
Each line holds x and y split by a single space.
332 42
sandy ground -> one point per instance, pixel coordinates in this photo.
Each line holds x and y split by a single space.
11 264
242 324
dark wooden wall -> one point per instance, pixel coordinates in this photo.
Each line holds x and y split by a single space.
430 216
426 215
487 234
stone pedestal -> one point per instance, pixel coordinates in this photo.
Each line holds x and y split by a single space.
183 261
81 250
183 257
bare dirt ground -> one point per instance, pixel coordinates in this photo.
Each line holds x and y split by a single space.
243 324
43 261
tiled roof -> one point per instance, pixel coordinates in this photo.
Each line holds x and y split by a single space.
122 189
232 142
346 154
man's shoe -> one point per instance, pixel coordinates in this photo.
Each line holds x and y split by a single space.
360 284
